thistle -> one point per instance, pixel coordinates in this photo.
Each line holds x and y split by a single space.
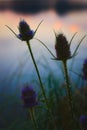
62 48
26 33
85 69
29 97
83 122
63 53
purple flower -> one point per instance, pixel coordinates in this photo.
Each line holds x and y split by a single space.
26 33
83 122
62 48
85 69
29 97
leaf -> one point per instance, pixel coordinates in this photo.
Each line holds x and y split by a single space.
38 27
45 47
78 46
11 30
72 38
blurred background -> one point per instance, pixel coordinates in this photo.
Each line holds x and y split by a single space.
16 67
34 6
65 16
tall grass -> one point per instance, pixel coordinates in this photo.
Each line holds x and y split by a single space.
13 116
59 96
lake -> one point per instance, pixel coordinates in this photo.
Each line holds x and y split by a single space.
16 66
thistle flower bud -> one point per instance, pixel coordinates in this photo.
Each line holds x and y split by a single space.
62 48
83 122
26 33
29 97
85 69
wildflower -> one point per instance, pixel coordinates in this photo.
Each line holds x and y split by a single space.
85 69
83 122
26 33
29 97
62 48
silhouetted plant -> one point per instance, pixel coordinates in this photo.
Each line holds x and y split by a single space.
85 69
29 98
59 112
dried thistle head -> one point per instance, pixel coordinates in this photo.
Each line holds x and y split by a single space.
85 69
83 122
26 33
29 97
62 48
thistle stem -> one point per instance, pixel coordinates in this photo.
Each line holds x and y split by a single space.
69 94
33 119
41 85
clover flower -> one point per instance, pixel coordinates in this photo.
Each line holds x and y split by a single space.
29 97
85 69
83 122
62 48
26 33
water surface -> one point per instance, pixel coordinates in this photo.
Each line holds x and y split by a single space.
15 61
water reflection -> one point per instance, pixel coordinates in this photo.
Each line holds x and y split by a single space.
27 6
13 52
